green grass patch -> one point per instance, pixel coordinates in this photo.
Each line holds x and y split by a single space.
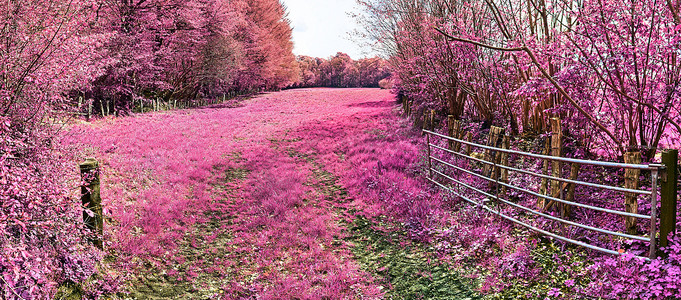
409 269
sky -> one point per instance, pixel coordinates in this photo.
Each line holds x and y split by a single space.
321 27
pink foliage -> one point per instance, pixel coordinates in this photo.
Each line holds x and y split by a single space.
341 71
164 170
610 71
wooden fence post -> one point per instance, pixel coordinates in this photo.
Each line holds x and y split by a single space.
574 173
469 138
407 105
91 199
452 130
506 144
493 140
557 151
432 120
631 182
543 189
458 133
495 170
668 196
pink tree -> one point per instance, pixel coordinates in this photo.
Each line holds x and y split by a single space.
513 63
269 62
42 244
153 49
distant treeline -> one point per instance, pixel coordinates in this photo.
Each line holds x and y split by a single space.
341 71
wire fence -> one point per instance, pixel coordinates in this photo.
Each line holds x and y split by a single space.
443 177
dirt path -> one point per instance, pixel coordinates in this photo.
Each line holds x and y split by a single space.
250 201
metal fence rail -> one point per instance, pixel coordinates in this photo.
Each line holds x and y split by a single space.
652 194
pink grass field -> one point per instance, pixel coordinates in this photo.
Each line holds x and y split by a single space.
251 199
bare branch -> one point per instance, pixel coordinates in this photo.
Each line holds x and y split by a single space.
560 88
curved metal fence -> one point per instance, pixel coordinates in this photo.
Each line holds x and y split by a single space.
442 179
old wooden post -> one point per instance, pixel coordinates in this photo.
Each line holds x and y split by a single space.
668 196
469 138
91 200
493 140
506 144
407 104
432 120
631 182
458 134
574 172
495 171
557 151
452 130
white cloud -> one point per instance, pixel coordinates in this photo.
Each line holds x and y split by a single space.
322 27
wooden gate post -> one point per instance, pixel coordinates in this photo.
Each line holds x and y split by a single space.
668 196
631 182
91 199
430 164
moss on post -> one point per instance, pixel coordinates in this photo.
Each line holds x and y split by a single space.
91 199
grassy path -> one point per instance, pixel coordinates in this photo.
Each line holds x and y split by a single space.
263 200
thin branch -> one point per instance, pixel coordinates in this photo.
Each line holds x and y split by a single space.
516 49
560 89
11 289
675 12
622 93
